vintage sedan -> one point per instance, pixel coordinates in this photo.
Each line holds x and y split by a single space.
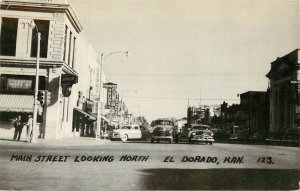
130 132
163 130
163 133
197 133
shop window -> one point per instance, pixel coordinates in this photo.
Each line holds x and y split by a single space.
3 83
43 28
9 28
19 84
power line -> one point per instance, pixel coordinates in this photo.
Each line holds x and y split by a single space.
184 75
174 98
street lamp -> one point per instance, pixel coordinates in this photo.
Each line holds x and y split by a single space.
32 25
99 109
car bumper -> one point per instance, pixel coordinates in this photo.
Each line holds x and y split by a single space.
161 137
201 139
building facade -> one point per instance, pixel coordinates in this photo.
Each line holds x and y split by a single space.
68 71
251 116
284 78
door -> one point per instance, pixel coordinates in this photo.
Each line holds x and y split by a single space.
136 132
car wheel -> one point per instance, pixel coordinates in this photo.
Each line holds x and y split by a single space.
124 137
152 140
211 143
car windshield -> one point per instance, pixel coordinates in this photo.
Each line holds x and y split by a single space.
163 122
163 128
201 127
126 127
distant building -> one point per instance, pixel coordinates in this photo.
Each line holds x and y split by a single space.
202 114
255 107
251 114
284 79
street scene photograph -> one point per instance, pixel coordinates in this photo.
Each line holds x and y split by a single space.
149 95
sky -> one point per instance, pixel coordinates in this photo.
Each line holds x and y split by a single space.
188 51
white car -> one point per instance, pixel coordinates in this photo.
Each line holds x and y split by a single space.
132 132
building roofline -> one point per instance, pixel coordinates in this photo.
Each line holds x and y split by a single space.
286 55
248 92
288 58
34 5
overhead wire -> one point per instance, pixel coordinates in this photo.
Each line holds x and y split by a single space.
174 98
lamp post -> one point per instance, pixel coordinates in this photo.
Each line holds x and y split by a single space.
32 25
99 109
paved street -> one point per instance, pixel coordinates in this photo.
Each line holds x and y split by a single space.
83 164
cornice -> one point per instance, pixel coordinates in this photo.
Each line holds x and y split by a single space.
43 7
20 62
43 64
68 70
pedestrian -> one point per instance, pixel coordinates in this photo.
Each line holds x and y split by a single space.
18 128
29 125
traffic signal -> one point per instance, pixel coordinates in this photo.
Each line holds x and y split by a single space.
41 97
48 98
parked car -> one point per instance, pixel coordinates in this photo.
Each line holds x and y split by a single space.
163 133
197 133
163 130
130 132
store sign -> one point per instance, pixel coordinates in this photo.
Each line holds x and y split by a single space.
109 97
89 105
68 79
110 85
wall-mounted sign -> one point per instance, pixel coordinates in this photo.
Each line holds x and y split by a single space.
109 97
89 105
68 79
110 85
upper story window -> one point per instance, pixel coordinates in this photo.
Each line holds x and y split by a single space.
8 39
74 49
70 48
65 42
43 28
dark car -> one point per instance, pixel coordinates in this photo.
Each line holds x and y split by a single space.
165 133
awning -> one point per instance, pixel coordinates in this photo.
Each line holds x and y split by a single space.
105 119
16 103
92 117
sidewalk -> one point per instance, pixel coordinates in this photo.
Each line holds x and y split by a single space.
62 142
76 141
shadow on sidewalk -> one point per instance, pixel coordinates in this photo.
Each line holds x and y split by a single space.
11 140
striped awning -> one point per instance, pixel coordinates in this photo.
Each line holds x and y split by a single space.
16 103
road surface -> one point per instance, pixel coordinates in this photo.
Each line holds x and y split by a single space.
146 166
